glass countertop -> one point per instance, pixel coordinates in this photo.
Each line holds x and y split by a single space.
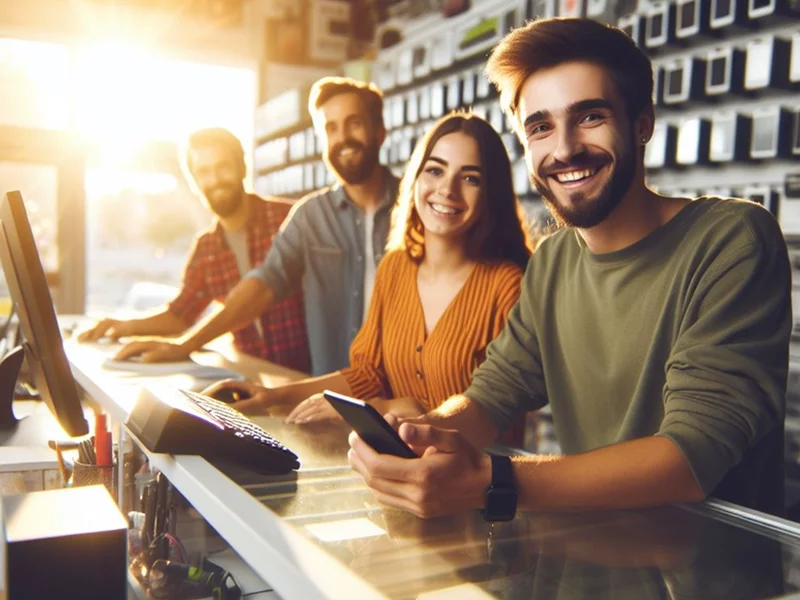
673 552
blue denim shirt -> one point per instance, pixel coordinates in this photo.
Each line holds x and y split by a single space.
320 249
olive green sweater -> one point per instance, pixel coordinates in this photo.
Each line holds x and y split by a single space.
684 334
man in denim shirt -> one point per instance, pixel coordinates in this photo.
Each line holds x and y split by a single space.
329 244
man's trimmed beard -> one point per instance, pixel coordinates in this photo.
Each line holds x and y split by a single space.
359 172
228 205
584 212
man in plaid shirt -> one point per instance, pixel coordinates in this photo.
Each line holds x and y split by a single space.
239 239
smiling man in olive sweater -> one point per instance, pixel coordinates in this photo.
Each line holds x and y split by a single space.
656 328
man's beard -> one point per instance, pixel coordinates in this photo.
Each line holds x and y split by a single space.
584 212
358 172
227 204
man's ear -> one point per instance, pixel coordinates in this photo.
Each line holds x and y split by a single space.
644 124
380 135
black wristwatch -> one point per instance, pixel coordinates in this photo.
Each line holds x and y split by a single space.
501 495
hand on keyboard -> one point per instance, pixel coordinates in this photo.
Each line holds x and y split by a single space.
253 399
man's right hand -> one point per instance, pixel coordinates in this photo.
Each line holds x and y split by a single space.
110 328
153 351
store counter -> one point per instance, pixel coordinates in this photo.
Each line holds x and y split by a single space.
319 533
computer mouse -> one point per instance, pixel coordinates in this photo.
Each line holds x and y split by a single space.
230 395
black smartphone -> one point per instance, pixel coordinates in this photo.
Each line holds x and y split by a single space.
369 424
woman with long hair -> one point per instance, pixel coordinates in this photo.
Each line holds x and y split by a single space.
455 257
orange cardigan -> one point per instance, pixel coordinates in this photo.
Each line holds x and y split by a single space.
391 357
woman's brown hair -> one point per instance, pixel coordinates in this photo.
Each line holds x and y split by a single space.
500 233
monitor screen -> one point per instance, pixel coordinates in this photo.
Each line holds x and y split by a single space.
28 289
687 18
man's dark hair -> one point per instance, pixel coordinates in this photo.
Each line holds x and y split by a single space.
547 43
328 87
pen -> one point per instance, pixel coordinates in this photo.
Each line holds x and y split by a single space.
102 445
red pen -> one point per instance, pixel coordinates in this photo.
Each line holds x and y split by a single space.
102 441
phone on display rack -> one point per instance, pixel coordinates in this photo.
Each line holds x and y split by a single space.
369 425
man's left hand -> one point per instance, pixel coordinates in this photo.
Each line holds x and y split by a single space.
449 476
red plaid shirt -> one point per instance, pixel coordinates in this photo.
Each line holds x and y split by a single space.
211 272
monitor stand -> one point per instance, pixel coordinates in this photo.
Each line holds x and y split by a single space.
33 430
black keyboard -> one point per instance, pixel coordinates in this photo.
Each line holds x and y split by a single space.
184 422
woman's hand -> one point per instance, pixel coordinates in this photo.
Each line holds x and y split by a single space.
247 397
314 408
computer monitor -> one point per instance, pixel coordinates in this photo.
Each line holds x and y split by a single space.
770 132
726 12
42 347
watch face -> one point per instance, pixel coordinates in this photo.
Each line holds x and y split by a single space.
501 503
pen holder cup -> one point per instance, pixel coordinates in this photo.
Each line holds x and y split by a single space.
83 474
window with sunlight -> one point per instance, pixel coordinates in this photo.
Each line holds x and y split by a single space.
140 214
34 77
